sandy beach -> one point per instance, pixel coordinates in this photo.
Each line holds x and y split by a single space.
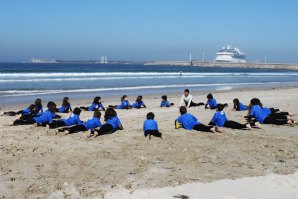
36 163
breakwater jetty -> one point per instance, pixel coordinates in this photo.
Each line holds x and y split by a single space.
226 65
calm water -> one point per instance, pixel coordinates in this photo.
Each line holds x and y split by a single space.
25 82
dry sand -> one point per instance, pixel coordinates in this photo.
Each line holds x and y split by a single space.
36 163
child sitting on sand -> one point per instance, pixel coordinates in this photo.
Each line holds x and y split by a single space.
72 120
190 122
164 102
220 120
150 126
46 117
91 124
186 100
211 102
96 105
264 117
139 103
65 107
112 124
238 106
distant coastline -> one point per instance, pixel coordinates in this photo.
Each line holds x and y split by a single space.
226 65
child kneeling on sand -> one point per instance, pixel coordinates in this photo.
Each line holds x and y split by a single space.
220 120
190 122
91 124
164 102
112 124
150 126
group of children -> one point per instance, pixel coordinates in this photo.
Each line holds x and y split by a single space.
257 115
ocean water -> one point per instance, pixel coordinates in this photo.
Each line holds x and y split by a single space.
25 82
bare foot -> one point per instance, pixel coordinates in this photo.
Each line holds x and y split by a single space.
218 129
258 125
2 113
11 124
248 126
95 134
67 132
213 130
35 125
18 117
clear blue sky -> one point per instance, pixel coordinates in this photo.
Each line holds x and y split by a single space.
147 29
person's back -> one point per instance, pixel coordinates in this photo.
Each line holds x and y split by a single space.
92 123
114 121
219 118
150 124
188 121
72 119
256 112
46 116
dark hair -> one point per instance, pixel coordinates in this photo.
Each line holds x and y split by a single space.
183 110
97 114
124 96
255 101
31 107
77 111
164 97
150 116
96 100
186 90
38 102
236 101
209 96
52 106
65 101
110 113
139 98
220 107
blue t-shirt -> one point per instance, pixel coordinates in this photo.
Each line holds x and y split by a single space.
212 103
115 122
256 112
124 104
95 106
92 123
73 119
188 121
219 118
165 104
26 111
46 117
242 107
64 108
266 110
138 104
150 125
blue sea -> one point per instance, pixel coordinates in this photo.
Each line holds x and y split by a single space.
23 82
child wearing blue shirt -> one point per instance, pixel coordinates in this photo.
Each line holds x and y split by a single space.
211 102
66 107
150 126
139 103
164 102
96 105
124 103
219 119
72 120
263 116
91 124
238 106
45 118
26 111
112 124
190 122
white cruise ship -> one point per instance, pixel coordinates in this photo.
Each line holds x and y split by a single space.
230 54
